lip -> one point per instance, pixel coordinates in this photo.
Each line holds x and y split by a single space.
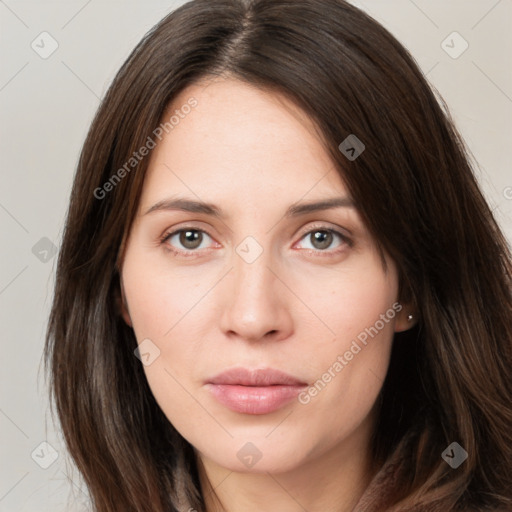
259 391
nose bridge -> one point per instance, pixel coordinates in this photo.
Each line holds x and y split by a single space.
254 307
253 279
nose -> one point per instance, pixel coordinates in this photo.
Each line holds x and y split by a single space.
257 303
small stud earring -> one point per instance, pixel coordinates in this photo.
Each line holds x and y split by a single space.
410 317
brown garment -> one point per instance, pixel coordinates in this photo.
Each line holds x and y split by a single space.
378 492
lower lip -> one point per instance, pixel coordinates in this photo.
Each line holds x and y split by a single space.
254 399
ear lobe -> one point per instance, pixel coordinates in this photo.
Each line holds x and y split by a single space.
406 319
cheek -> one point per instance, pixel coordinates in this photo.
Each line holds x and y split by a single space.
351 301
162 305
351 364
158 299
160 320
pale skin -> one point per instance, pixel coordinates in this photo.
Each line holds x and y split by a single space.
296 307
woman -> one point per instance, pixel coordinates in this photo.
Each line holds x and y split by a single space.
280 287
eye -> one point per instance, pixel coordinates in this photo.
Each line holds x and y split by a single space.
322 238
185 240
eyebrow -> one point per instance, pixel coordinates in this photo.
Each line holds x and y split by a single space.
295 210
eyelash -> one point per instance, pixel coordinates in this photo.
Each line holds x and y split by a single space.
194 252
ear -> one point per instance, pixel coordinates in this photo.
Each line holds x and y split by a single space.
122 305
406 318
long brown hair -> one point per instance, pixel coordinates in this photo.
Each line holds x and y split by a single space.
450 376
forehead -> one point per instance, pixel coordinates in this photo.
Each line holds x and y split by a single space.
240 139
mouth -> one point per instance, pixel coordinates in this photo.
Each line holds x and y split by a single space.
259 391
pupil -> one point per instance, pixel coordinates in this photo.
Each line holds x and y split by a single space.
322 239
190 239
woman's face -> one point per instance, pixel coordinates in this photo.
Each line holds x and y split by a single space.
256 280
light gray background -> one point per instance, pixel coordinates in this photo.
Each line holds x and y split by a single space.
46 107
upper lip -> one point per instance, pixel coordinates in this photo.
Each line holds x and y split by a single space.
257 377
